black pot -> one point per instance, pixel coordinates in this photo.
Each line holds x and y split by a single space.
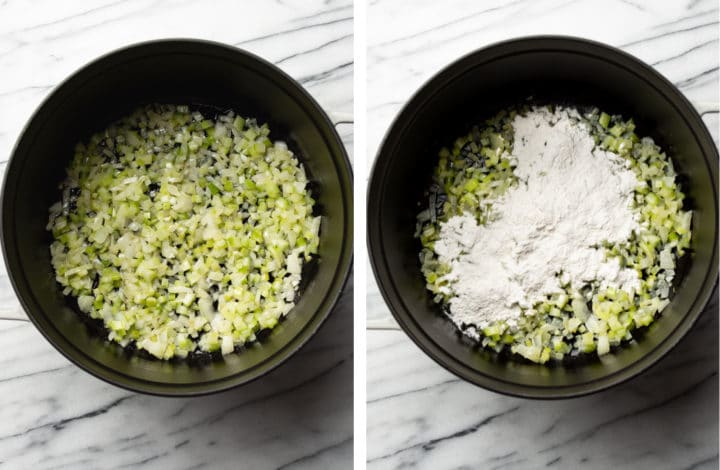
202 74
556 70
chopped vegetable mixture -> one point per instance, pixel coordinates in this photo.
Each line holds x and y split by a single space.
183 234
589 319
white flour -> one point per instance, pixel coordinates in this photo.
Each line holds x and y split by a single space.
570 198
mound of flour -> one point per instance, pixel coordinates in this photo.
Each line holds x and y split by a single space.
544 231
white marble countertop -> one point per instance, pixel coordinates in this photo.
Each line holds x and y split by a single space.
420 416
53 415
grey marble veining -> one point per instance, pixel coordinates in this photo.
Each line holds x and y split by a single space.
421 416
52 414
409 42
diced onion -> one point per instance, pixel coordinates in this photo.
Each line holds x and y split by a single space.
183 234
584 319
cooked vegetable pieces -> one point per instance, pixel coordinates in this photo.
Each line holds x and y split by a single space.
182 233
581 320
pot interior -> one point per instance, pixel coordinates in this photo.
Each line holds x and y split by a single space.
549 71
202 75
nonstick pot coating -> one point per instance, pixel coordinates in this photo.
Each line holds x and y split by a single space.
553 70
191 72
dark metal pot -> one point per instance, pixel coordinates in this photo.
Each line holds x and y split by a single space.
192 72
558 70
